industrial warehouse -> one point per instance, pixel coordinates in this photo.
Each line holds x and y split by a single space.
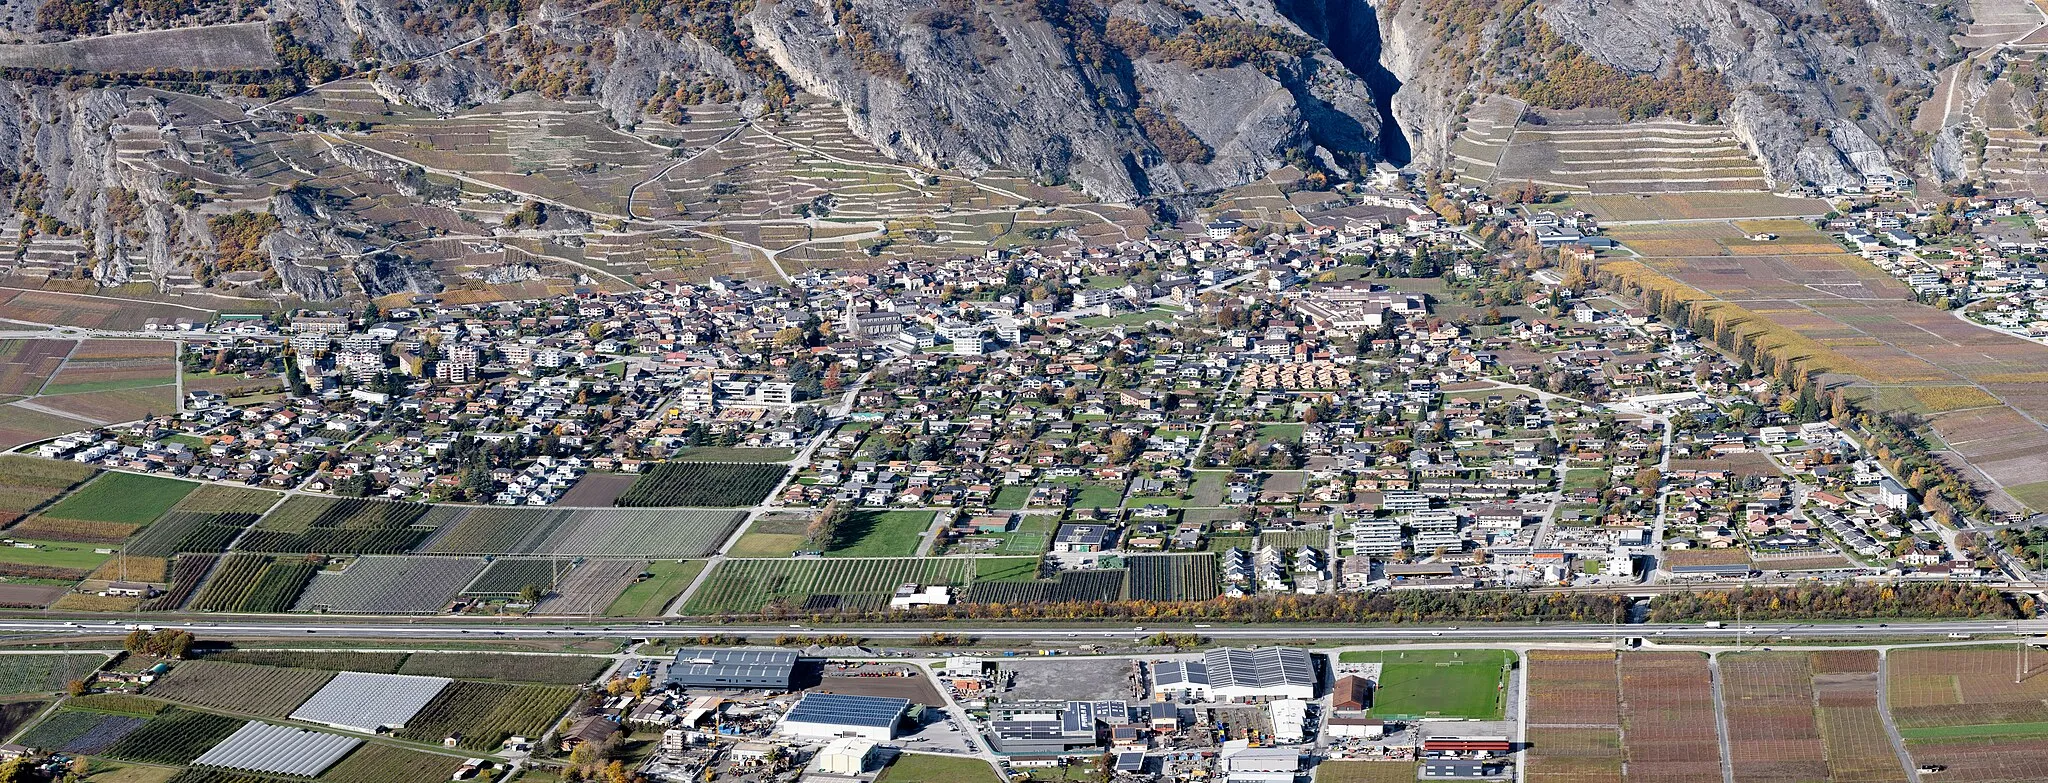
1264 714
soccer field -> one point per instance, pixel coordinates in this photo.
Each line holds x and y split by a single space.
1437 683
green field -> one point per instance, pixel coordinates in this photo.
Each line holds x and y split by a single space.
880 534
1437 683
646 598
1365 772
122 497
1583 478
772 536
1005 569
1983 731
1010 497
926 768
1099 496
57 554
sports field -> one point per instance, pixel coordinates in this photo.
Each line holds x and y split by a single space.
1437 683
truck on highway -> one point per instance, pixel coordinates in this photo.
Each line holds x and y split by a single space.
1713 623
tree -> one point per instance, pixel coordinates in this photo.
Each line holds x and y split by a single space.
1648 479
531 594
137 641
78 687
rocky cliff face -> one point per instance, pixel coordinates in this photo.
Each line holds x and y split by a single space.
1823 91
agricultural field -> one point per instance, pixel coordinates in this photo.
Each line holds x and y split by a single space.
485 713
20 425
107 510
377 763
773 535
1438 684
338 526
79 731
188 572
26 365
1173 577
1607 157
390 584
254 583
595 532
345 661
89 312
132 568
1773 729
269 691
45 673
650 596
747 586
114 406
592 587
221 499
173 737
1102 584
509 575
27 483
506 667
881 534
703 484
190 531
1667 714
1574 720
1858 748
16 714
111 365
1960 708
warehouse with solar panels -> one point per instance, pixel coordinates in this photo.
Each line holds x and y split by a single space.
707 667
838 715
1260 675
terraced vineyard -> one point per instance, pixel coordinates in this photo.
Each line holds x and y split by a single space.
1173 577
1584 154
485 713
703 484
338 526
747 586
254 583
391 585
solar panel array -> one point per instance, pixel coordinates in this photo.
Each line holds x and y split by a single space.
278 750
367 702
847 710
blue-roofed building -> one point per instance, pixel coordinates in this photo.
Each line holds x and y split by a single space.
840 715
737 668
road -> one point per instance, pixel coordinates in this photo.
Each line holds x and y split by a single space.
390 628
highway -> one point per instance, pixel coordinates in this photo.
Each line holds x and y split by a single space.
441 629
